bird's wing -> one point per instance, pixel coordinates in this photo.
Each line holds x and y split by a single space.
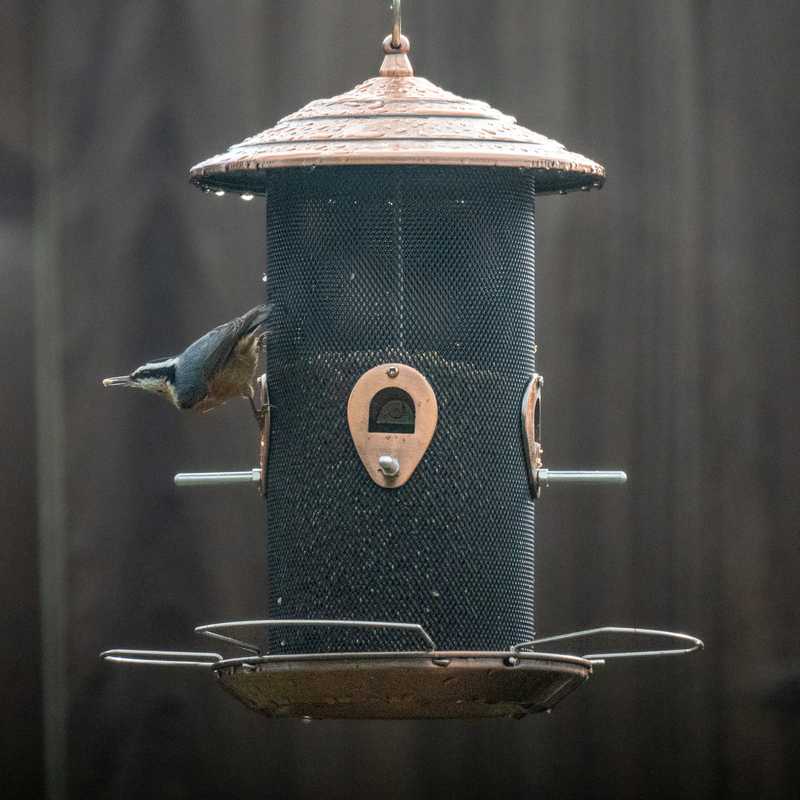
214 349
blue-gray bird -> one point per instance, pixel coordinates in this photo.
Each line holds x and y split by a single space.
220 365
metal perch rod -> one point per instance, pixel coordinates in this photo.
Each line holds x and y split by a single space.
217 478
551 476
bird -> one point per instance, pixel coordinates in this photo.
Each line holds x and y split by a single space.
220 365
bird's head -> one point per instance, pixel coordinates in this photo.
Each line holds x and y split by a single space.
157 377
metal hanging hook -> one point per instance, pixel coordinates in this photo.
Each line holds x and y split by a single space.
396 33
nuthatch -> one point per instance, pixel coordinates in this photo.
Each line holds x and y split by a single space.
218 366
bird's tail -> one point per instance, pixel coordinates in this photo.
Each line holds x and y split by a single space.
255 318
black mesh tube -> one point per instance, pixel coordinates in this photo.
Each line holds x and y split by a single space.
432 267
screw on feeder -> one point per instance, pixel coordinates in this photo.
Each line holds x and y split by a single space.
389 466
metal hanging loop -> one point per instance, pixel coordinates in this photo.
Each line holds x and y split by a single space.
396 32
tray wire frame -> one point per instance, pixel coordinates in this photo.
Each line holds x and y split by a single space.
174 658
695 643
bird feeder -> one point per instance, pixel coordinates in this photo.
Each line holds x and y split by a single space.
401 457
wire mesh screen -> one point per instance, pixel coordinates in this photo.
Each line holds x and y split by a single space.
432 267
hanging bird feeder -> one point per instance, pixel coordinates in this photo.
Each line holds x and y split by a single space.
401 458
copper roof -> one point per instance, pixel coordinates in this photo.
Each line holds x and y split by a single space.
397 118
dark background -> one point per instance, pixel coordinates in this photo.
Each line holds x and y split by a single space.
668 326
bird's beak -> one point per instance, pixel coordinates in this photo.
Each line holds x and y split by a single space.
121 380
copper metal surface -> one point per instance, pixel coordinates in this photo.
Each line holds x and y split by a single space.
532 432
397 118
403 687
407 448
262 405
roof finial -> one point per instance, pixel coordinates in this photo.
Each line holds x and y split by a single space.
396 46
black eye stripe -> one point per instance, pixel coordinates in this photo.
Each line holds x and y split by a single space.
157 373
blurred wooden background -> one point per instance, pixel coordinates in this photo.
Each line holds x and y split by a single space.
668 324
